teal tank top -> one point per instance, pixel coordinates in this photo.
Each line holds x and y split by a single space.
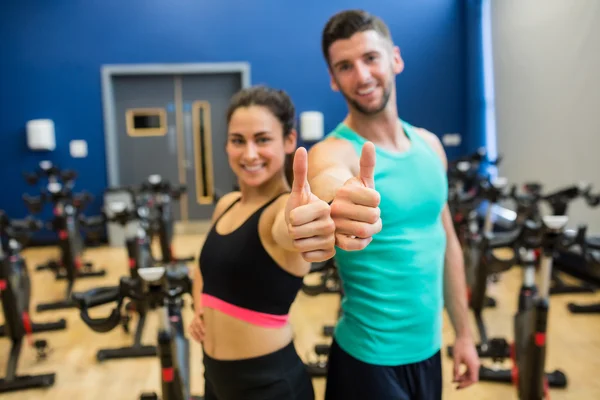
392 309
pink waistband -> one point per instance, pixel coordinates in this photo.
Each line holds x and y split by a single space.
253 317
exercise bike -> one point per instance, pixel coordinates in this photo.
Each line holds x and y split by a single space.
330 283
481 263
139 256
15 294
539 243
559 204
464 207
163 288
163 194
583 264
67 223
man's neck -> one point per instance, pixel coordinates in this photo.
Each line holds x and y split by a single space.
383 129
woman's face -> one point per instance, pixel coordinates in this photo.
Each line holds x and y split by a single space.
256 148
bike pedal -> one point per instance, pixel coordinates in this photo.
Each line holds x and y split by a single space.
41 347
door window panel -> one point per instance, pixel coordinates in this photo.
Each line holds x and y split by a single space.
146 121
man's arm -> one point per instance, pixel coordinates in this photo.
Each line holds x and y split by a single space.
330 166
455 293
455 286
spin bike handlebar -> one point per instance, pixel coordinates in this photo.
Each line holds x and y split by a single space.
26 225
155 184
19 229
175 285
46 169
56 193
559 200
492 190
100 296
592 200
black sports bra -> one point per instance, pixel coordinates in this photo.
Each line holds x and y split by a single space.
241 279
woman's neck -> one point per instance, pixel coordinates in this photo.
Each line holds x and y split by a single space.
267 191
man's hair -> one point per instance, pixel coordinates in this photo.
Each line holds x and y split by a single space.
346 23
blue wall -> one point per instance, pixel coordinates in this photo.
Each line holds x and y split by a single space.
52 52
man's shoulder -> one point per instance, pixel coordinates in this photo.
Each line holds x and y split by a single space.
428 136
433 141
332 152
332 147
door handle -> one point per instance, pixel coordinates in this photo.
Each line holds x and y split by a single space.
189 139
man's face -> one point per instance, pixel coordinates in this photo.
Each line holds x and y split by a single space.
363 69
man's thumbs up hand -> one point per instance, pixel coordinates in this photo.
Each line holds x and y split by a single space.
355 209
308 218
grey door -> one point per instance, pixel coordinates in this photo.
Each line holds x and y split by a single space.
146 129
205 100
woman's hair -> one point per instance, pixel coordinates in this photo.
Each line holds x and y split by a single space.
278 103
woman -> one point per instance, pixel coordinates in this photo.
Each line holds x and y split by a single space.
250 271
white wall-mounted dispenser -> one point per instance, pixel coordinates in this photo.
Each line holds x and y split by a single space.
311 126
40 134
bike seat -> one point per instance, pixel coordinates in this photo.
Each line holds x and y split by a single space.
593 242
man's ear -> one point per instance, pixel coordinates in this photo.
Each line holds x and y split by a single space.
397 61
333 83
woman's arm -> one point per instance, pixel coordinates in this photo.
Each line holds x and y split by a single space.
197 285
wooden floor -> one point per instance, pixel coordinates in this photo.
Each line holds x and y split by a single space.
574 341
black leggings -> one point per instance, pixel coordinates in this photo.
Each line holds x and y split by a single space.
279 375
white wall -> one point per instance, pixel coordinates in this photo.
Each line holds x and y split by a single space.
547 94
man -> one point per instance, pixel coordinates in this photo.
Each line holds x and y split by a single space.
397 253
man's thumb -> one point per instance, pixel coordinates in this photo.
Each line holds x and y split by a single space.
300 170
367 165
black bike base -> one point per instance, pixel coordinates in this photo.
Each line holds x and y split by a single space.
572 289
60 274
584 308
322 349
154 396
316 290
317 369
490 302
84 274
182 260
58 305
59 325
556 379
26 382
497 349
126 352
42 327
